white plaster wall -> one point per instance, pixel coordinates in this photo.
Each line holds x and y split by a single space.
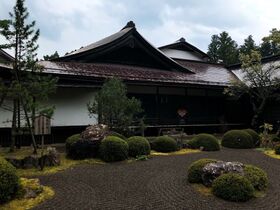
5 115
70 108
172 53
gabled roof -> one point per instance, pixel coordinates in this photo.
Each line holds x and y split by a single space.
183 45
214 75
127 37
7 58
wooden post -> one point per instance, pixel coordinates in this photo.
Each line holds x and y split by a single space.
42 126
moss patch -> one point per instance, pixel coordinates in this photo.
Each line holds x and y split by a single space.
180 152
206 191
271 153
65 163
29 203
18 153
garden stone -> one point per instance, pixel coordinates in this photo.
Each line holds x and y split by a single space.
52 158
95 132
211 171
30 162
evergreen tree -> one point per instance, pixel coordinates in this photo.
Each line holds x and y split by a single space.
213 49
113 106
28 87
223 49
266 49
271 43
50 57
248 46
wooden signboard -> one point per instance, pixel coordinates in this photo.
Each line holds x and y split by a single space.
42 125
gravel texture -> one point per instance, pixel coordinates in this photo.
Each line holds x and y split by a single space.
159 183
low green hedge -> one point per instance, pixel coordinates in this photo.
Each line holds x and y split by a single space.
257 177
113 148
255 136
9 181
277 149
195 170
238 139
233 187
205 141
165 144
137 146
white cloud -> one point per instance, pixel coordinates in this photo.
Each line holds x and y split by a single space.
69 24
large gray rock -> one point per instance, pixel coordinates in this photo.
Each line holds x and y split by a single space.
95 132
211 171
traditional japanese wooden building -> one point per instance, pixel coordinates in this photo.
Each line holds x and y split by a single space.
176 84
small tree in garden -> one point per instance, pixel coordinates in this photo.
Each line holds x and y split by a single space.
113 106
28 86
259 83
266 140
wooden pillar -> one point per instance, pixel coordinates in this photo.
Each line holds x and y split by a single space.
157 105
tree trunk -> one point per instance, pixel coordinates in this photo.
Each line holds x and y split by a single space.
29 127
258 112
14 126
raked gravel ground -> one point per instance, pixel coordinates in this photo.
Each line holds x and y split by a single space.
159 183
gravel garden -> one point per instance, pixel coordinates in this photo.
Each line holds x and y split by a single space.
100 169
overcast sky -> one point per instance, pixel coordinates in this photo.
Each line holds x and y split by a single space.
69 24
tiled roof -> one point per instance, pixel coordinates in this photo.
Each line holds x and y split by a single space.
101 42
267 62
205 74
211 72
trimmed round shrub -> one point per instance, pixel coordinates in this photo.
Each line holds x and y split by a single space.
9 181
195 170
83 149
113 148
113 133
237 139
233 187
78 149
151 140
256 176
165 144
255 136
277 149
71 140
205 141
138 145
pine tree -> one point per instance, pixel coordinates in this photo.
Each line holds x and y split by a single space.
213 49
266 49
113 106
28 86
50 57
223 49
248 46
